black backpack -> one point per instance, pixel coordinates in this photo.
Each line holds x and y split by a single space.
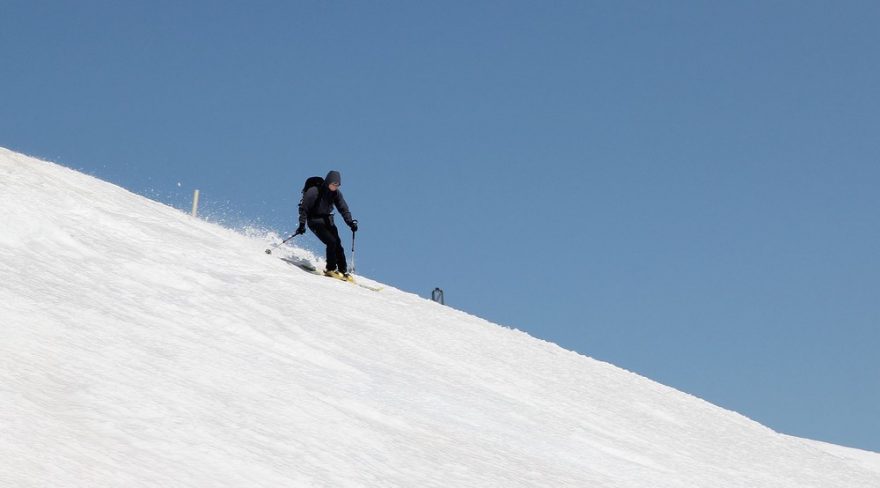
310 182
313 181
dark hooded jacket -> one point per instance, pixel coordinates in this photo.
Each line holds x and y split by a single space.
318 202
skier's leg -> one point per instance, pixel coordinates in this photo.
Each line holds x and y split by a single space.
340 251
330 239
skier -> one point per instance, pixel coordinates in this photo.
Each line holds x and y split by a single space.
316 211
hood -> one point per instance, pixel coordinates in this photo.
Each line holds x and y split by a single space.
333 177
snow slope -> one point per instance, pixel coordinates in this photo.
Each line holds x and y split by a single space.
142 347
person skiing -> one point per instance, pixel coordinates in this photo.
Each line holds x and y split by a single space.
316 211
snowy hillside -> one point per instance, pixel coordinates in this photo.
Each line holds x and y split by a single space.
142 347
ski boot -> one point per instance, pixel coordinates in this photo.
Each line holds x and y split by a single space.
332 273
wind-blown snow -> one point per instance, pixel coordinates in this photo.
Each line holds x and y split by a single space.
142 347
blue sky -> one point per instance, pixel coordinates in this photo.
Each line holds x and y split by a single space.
685 189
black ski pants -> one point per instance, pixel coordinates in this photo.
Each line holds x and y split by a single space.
326 230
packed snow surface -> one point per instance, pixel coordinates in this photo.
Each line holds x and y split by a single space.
142 347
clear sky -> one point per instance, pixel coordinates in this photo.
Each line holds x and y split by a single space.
688 190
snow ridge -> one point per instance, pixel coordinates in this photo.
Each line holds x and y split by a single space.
142 347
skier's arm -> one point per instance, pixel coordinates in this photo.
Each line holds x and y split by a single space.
342 206
307 202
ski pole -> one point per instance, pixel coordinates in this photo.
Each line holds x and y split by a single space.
269 251
352 251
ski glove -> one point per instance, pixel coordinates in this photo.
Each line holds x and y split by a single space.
354 225
301 229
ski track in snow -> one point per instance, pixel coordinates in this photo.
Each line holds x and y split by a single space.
141 347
